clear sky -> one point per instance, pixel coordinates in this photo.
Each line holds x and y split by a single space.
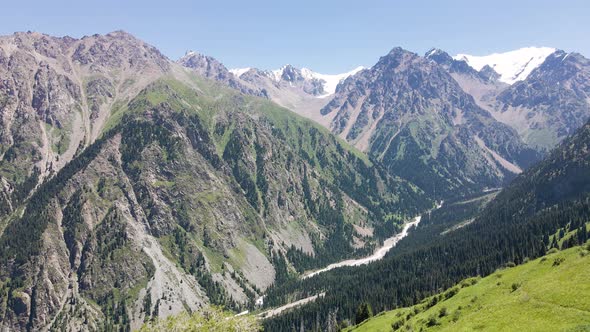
326 36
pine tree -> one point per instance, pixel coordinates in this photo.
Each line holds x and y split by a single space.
363 312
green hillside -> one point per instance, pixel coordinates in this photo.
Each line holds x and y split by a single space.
551 293
538 210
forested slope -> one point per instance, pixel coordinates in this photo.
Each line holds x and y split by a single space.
521 223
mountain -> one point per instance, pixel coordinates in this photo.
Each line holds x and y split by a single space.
135 187
57 95
540 92
533 97
548 293
209 67
300 90
178 193
409 113
551 103
319 85
545 207
511 66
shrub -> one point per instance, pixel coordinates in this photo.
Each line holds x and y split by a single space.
452 292
397 324
456 315
442 312
558 261
432 321
552 251
515 286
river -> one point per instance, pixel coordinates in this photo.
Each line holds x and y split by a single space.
377 255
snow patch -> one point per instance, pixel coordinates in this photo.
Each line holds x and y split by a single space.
512 66
278 73
239 71
330 81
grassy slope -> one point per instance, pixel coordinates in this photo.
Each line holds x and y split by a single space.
206 97
548 298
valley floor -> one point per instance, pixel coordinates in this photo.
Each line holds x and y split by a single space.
551 293
377 255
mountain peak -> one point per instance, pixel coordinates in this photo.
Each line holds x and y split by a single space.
512 66
120 33
399 51
290 73
434 51
439 56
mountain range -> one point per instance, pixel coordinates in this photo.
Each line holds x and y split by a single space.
135 187
426 117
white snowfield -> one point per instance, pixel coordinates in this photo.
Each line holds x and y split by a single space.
330 81
239 71
512 66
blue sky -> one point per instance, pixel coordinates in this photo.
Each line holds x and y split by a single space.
326 36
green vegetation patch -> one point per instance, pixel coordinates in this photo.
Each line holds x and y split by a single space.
551 293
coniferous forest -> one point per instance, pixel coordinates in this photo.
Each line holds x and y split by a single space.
522 222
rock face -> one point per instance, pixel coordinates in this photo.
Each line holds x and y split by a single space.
300 90
409 113
209 67
544 106
177 192
56 95
551 103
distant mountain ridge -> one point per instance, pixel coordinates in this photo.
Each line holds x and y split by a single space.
371 111
549 101
511 66
410 114
291 74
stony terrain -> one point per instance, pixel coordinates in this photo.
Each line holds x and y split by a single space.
546 106
178 192
409 113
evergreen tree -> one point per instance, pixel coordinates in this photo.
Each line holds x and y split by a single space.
363 312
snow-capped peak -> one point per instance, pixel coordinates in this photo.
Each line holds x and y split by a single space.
330 81
512 66
190 53
239 71
433 51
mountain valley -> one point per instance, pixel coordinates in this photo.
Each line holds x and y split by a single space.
136 189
